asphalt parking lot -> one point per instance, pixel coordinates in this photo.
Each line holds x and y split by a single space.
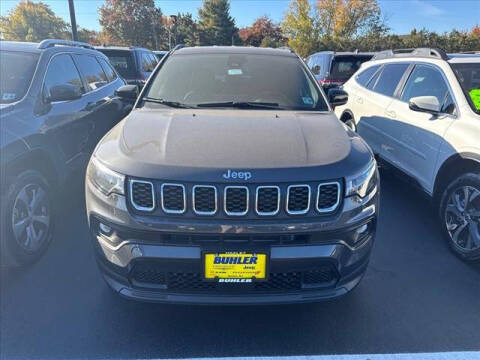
416 297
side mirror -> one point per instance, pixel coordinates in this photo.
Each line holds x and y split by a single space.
64 92
337 97
316 69
428 104
127 92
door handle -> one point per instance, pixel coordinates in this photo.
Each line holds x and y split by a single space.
391 114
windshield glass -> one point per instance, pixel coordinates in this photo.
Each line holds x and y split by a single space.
17 70
218 79
343 67
468 75
122 61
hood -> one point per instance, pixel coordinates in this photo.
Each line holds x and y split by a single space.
218 139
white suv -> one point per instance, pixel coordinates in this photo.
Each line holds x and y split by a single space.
419 110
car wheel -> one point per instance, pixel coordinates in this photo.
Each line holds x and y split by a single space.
460 214
27 218
349 121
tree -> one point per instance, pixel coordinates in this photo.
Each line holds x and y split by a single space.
215 25
185 30
263 32
300 28
128 22
349 18
30 21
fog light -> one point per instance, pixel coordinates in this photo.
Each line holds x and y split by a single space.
105 229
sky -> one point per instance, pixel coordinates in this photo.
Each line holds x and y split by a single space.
402 15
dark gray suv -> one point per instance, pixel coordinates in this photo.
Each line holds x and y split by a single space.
232 182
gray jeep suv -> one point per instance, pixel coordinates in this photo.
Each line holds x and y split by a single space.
232 182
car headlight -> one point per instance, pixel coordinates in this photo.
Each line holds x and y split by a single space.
104 179
362 184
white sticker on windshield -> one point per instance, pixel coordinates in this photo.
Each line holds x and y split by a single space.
9 96
235 72
419 79
307 100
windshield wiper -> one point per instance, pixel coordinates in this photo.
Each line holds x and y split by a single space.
174 104
243 105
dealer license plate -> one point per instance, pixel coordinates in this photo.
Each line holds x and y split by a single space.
235 266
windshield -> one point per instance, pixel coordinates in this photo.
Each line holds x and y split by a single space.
468 75
225 80
17 70
122 61
343 67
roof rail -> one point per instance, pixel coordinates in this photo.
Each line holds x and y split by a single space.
53 42
418 52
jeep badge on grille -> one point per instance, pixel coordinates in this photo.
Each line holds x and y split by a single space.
243 175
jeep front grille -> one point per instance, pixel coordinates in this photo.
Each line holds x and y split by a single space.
173 198
328 196
249 200
236 200
298 199
204 198
267 200
142 195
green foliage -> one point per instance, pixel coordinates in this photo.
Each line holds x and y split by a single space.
215 25
30 21
300 27
128 22
185 30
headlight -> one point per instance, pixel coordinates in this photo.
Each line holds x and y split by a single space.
104 179
362 184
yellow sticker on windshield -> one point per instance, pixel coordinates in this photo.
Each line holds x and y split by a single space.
475 96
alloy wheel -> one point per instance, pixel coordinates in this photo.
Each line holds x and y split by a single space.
462 218
31 217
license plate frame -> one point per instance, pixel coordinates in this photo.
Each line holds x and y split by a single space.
235 253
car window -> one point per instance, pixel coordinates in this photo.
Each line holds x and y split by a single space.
91 71
371 83
468 75
16 69
425 81
111 74
219 78
123 61
146 62
366 75
389 78
343 67
62 71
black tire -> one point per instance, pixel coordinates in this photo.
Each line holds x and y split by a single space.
350 122
466 246
38 217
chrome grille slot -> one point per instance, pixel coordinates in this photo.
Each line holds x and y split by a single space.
298 199
204 199
328 197
173 198
267 200
142 195
236 200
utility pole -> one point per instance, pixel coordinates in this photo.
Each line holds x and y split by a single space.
73 21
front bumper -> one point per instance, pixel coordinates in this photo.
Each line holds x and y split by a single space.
160 260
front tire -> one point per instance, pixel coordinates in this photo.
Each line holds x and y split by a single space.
460 216
27 218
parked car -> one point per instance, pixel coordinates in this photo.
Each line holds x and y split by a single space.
420 112
333 69
134 64
228 184
57 101
160 54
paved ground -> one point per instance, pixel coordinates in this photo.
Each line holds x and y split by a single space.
416 297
